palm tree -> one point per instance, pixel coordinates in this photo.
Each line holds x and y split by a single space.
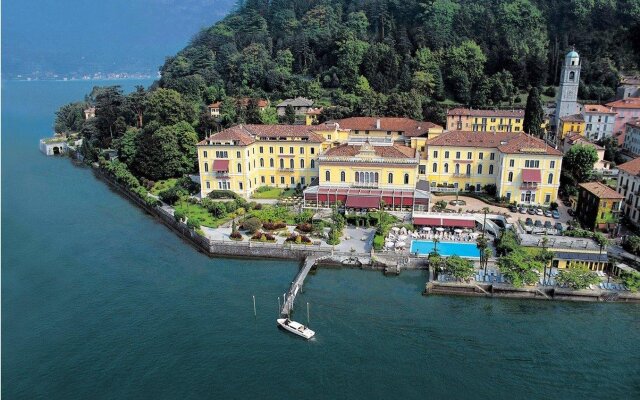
485 254
603 242
484 224
482 244
435 245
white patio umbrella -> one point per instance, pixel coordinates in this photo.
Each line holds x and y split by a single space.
395 229
440 229
457 230
389 244
426 228
400 244
402 237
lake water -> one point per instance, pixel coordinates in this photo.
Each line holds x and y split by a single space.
99 301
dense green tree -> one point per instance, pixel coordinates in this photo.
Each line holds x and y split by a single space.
579 162
534 114
269 116
127 145
289 114
167 107
110 105
70 117
519 268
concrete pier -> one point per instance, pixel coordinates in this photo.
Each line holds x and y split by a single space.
296 285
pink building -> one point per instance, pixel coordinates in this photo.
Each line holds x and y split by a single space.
626 109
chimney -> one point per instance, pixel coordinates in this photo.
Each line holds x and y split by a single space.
378 123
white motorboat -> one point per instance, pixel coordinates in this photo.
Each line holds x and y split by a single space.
295 327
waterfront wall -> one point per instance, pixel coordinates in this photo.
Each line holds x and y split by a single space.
508 291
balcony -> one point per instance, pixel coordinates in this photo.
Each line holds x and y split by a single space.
221 174
529 186
461 175
286 169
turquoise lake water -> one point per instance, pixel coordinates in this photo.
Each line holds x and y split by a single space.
99 301
445 248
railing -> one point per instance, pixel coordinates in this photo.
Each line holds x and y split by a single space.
444 189
370 185
222 175
529 186
286 169
461 175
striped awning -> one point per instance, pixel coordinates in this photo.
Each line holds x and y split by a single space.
221 165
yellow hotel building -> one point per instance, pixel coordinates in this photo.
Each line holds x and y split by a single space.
468 119
368 160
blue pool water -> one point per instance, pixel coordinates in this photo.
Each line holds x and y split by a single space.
446 248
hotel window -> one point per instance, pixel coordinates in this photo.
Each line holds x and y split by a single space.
293 181
479 169
552 164
508 196
262 163
457 155
206 167
281 150
328 138
282 180
208 185
343 176
510 177
240 185
273 180
512 163
446 168
435 154
480 155
239 168
302 163
302 180
327 176
313 151
406 179
490 169
492 156
271 162
388 132
270 150
469 156
390 177
205 154
313 163
435 167
238 154
550 179
261 149
422 169
291 165
457 169
301 150
281 163
262 179
468 169
290 150
446 154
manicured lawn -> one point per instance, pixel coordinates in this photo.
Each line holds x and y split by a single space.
271 193
196 210
163 185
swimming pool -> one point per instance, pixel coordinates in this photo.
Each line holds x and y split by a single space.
424 247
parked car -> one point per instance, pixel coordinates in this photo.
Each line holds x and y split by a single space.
522 210
538 224
556 214
559 227
539 211
547 224
531 211
529 222
547 213
513 208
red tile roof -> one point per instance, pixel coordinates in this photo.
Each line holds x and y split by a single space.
634 123
573 118
409 126
217 104
601 190
506 142
631 167
246 134
576 138
516 113
394 151
631 102
597 108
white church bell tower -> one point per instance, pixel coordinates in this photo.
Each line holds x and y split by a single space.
567 102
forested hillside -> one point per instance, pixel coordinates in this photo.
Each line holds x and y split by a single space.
355 53
408 58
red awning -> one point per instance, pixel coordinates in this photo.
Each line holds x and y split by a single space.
427 221
459 223
531 175
221 165
362 202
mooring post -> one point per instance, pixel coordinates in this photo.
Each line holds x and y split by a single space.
254 306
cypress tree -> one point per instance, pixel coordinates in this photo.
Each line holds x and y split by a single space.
534 114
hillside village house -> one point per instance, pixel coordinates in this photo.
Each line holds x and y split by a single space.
599 121
394 159
300 105
626 110
629 187
468 119
214 108
631 144
89 113
603 166
629 87
598 206
571 124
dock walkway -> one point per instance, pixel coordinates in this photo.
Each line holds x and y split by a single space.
296 285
